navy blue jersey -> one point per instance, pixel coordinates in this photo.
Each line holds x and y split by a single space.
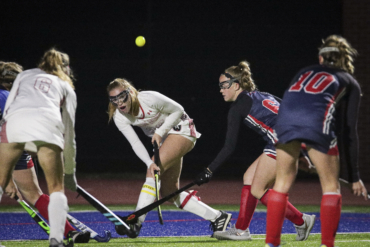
262 115
258 111
3 96
320 104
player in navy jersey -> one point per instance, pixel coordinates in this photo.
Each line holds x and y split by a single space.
319 108
258 111
24 174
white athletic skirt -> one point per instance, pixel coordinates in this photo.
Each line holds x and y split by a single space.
29 128
186 129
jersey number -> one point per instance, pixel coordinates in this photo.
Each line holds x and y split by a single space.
42 84
271 105
317 84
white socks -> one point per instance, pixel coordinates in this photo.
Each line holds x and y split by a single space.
57 209
1 193
195 206
146 197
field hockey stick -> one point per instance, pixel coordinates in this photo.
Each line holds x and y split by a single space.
82 227
132 218
44 226
120 225
348 185
157 161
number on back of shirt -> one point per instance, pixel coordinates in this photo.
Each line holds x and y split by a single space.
317 83
42 84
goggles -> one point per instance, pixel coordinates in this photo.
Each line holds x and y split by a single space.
122 97
9 72
227 84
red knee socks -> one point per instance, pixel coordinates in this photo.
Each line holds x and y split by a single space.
42 206
331 205
291 212
248 204
276 207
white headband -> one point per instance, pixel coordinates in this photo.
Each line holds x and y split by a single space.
328 49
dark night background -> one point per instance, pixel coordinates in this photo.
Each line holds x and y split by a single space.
189 43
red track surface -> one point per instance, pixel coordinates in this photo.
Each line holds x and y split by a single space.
118 191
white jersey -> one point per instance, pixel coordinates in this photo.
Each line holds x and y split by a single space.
157 114
32 113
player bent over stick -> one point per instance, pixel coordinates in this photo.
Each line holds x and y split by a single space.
166 122
24 174
319 107
258 111
33 121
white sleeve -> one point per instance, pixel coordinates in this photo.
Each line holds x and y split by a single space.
12 94
68 118
132 138
171 107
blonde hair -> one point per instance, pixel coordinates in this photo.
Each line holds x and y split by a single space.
9 71
343 57
56 63
244 75
125 84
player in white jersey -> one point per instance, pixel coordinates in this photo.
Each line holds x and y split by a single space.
24 175
166 122
33 121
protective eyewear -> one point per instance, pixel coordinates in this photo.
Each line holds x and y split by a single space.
122 97
9 72
227 84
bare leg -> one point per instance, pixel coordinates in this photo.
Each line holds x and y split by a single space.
9 155
28 184
171 154
327 167
286 168
264 176
50 157
250 172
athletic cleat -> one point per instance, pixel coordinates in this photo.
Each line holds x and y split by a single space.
55 243
233 234
271 245
78 237
220 224
135 230
304 230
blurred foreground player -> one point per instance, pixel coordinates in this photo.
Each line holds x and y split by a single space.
319 107
24 173
258 111
32 120
166 122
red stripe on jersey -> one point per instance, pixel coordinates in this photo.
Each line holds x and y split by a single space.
264 126
142 112
332 101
